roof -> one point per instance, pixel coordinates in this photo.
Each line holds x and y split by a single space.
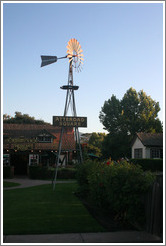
150 139
31 131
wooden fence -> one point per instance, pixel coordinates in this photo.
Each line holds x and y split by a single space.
154 207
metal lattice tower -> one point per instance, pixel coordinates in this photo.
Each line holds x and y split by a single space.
70 102
74 53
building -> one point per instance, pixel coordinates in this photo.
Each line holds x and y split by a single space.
147 145
32 144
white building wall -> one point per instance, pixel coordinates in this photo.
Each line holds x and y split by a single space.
147 152
138 145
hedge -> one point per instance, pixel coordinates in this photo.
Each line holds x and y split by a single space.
153 165
38 172
8 172
118 188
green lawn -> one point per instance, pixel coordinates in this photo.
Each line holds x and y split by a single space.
40 210
9 184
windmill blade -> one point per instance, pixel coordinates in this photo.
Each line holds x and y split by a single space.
81 58
77 44
70 44
46 60
69 52
79 51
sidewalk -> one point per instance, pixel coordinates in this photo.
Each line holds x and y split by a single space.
26 182
100 237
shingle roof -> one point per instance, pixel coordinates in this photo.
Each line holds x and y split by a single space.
151 139
30 131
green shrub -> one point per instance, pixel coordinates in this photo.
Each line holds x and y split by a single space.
153 165
66 173
8 172
82 173
38 172
117 187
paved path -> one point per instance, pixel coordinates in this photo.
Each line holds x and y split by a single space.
100 237
26 182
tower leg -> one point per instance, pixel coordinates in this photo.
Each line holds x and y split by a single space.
59 152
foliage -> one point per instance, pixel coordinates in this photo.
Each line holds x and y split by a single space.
8 172
116 146
117 187
136 112
20 118
153 165
38 172
82 174
40 210
94 144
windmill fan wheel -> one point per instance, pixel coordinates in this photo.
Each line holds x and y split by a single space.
74 53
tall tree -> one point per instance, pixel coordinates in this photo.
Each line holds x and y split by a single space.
110 115
136 112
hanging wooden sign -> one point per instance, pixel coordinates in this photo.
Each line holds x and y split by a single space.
69 121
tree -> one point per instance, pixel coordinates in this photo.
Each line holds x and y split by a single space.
95 143
20 118
110 116
136 112
140 112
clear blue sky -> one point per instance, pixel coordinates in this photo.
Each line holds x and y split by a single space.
122 45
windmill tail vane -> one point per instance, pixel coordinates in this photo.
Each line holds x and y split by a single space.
46 60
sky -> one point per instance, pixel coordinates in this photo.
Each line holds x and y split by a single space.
122 45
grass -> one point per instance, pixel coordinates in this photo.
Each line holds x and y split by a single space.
9 184
40 210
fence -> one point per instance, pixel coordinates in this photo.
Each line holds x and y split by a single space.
154 207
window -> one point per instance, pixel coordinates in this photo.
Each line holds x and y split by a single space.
33 159
6 160
45 139
137 153
156 153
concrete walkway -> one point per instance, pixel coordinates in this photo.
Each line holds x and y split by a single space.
26 182
100 237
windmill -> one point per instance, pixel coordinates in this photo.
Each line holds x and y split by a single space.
75 56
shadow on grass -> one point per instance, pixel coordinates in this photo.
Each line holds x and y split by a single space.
40 210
